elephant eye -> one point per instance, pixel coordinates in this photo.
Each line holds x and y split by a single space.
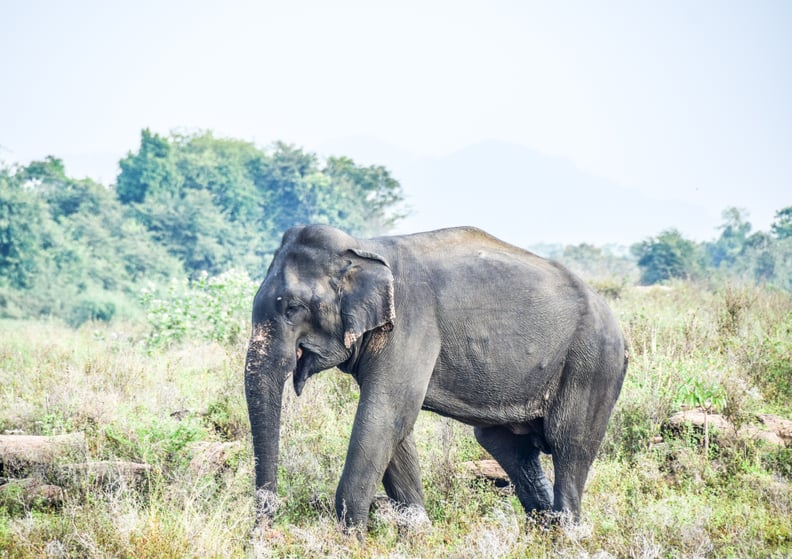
292 310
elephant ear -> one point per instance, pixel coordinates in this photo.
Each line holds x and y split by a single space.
366 295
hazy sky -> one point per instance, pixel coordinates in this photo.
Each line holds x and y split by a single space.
687 100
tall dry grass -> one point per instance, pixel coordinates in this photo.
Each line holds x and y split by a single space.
644 498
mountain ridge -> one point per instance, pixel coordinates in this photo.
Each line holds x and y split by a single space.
523 196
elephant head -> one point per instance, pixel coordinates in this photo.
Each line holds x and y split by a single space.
321 295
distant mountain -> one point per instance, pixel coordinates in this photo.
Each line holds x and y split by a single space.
524 197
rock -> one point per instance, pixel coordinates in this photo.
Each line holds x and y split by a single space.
779 426
488 469
30 493
23 454
63 459
759 434
772 430
696 417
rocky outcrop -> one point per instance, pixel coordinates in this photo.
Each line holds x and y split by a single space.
487 469
770 429
24 454
30 493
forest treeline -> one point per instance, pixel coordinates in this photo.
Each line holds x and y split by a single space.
191 204
182 205
738 254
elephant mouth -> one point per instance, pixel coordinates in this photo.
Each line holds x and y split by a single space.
300 374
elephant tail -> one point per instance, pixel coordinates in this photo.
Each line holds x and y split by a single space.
626 358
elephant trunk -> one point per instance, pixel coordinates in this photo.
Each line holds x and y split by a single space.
264 393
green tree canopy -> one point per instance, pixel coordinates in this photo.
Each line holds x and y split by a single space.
733 238
782 225
217 203
183 203
667 256
66 243
151 170
23 226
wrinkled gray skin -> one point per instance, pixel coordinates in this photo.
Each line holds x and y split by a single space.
453 321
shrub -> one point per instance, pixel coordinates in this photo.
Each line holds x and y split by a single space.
610 288
629 432
736 304
779 461
90 309
227 418
160 442
770 364
208 308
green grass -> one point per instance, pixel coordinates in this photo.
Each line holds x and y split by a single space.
644 498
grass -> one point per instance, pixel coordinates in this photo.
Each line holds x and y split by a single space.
644 498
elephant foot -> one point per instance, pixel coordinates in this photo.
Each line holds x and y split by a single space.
267 504
408 518
413 519
357 531
550 520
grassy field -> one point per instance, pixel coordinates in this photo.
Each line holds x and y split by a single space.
646 496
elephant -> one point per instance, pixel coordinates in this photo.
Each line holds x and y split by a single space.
454 321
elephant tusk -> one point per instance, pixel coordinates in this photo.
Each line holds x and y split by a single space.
299 353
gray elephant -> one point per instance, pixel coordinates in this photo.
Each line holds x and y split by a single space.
452 321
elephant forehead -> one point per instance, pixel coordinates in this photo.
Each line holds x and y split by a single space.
304 284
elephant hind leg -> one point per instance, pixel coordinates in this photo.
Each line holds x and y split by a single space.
571 470
574 428
402 481
519 457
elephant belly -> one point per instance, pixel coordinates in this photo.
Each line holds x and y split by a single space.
484 410
494 376
483 399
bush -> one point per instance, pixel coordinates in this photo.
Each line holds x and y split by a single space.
779 460
227 418
629 432
99 305
610 288
770 364
160 442
209 308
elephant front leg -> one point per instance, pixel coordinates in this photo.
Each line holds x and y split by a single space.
381 450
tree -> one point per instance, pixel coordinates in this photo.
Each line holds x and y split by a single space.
64 196
667 256
224 167
733 238
23 220
215 202
192 228
284 188
184 203
151 169
369 195
782 225
67 248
